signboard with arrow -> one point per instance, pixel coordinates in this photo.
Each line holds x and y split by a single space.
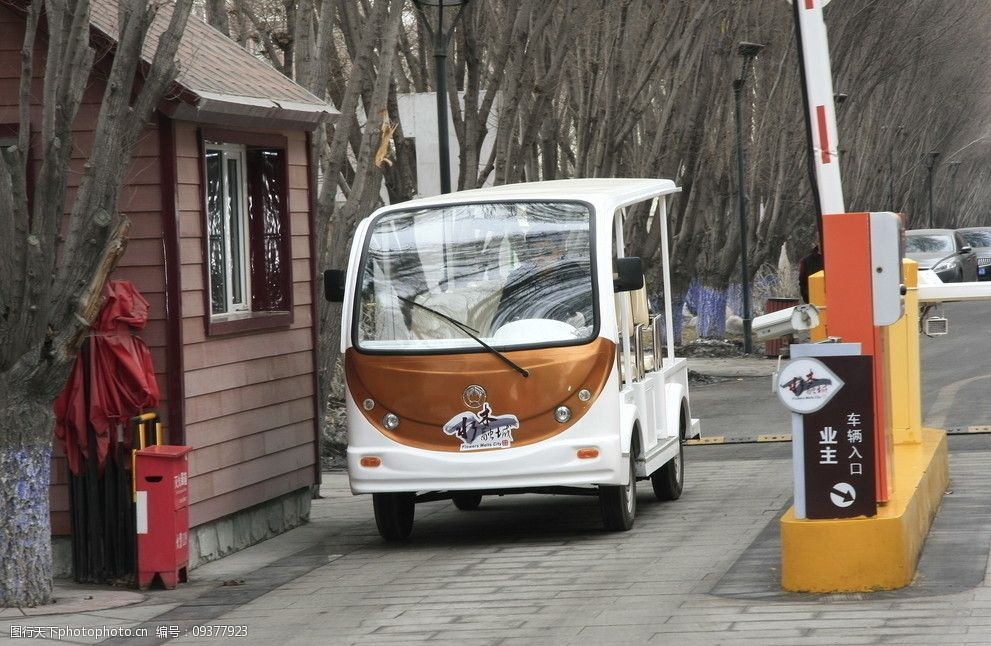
838 440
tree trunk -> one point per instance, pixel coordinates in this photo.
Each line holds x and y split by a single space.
50 304
216 16
25 471
710 303
335 226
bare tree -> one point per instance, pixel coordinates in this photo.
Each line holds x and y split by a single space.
371 74
639 88
50 289
217 17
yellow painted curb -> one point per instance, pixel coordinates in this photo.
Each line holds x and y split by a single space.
719 439
867 554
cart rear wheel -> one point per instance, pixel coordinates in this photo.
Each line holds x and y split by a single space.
394 514
669 481
619 503
467 501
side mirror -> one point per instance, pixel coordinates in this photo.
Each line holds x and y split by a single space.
628 275
966 249
333 285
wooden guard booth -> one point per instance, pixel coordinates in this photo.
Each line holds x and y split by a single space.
220 193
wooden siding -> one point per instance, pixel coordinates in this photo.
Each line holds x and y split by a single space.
140 200
249 410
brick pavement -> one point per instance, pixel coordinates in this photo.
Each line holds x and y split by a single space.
539 570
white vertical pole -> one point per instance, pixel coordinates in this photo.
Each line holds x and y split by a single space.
626 327
822 113
661 209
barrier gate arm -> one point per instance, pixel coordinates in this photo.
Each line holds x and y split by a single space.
949 292
817 91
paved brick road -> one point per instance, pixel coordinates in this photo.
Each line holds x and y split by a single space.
539 570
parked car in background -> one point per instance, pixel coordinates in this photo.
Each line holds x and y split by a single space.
943 251
980 239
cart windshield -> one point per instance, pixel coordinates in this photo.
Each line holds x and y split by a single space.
513 273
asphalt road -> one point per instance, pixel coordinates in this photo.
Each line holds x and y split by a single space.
956 386
956 369
744 408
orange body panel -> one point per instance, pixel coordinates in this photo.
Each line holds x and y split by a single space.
850 310
426 391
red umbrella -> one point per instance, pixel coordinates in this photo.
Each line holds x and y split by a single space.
121 380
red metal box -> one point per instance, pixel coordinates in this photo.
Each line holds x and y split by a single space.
162 513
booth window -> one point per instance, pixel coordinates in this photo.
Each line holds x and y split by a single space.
247 233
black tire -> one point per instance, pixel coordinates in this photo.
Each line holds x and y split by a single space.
467 501
618 503
394 514
669 481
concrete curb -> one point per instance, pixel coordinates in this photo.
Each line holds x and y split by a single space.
733 367
72 598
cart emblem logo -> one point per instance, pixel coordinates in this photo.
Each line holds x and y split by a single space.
806 385
482 429
474 396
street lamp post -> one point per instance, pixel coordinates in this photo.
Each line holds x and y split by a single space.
748 51
952 218
441 39
892 140
930 166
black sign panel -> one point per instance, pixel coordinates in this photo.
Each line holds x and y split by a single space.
839 445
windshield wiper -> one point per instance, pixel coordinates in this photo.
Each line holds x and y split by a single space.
470 331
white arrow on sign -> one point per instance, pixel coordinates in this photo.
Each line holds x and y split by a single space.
843 494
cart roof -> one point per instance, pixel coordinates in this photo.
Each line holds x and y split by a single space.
614 192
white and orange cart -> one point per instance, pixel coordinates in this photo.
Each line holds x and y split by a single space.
499 341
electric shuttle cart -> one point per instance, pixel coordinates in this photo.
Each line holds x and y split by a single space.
499 341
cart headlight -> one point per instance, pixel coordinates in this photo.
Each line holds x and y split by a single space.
562 414
390 421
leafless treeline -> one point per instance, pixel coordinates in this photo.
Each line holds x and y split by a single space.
644 88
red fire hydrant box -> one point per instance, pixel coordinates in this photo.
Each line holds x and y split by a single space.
162 513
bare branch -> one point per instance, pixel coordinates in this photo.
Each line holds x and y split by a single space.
216 16
118 128
361 69
27 76
264 33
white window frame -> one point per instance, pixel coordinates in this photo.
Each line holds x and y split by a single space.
238 153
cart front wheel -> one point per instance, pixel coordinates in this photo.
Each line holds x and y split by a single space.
619 503
394 514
